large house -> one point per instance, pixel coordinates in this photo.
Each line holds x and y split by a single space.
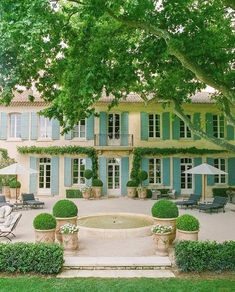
130 137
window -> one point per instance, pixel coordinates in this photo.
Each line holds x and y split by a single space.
220 163
15 125
45 173
114 126
218 126
45 127
155 171
184 129
79 130
154 126
78 170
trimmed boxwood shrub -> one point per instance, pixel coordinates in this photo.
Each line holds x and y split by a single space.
14 184
221 192
187 222
165 209
149 194
65 209
132 184
97 182
201 256
44 221
73 194
40 258
142 176
88 173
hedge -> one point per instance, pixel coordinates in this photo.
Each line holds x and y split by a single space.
202 256
221 192
40 258
73 194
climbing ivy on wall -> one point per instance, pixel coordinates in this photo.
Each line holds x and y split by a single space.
5 160
139 153
63 150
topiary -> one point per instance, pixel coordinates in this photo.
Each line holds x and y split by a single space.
142 176
165 209
187 222
88 173
132 184
65 209
5 182
97 182
149 194
44 221
14 184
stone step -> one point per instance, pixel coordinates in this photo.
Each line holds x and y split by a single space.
125 263
116 274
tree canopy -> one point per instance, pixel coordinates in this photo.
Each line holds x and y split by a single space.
74 50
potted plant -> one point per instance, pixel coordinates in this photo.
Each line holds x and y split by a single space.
15 186
6 188
44 225
142 191
69 236
97 188
161 238
187 227
165 213
65 211
86 191
131 188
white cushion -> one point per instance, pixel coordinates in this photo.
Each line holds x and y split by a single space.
8 221
2 212
8 211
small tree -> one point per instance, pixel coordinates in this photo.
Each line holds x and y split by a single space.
142 176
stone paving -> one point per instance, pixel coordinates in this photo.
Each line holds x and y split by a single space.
218 227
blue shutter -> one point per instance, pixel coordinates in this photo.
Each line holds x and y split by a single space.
34 126
67 172
231 171
103 129
145 167
230 132
166 171
25 126
90 128
88 166
55 129
197 178
55 176
3 128
33 178
124 128
176 175
210 178
209 124
166 126
103 174
176 128
144 127
197 123
124 174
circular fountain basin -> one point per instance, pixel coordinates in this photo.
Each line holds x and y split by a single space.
115 225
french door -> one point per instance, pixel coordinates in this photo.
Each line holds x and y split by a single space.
186 178
114 185
45 175
114 129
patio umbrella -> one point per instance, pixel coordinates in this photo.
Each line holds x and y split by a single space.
205 169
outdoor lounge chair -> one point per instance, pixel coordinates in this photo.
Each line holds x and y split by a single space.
5 211
6 229
30 201
3 202
190 202
218 203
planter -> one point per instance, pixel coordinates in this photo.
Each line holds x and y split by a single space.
70 241
86 194
97 191
142 194
6 191
167 222
187 235
46 236
13 193
131 192
62 221
162 243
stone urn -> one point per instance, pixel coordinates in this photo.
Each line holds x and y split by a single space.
167 222
62 221
97 192
13 193
162 243
6 191
86 193
45 236
70 241
131 192
187 235
142 193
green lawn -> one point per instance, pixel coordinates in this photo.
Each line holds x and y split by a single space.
34 284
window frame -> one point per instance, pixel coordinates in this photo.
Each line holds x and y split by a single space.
220 125
185 129
46 121
220 176
154 171
16 126
154 125
78 126
79 177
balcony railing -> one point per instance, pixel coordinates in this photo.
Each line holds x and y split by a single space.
114 140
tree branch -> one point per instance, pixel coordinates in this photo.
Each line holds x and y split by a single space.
229 3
